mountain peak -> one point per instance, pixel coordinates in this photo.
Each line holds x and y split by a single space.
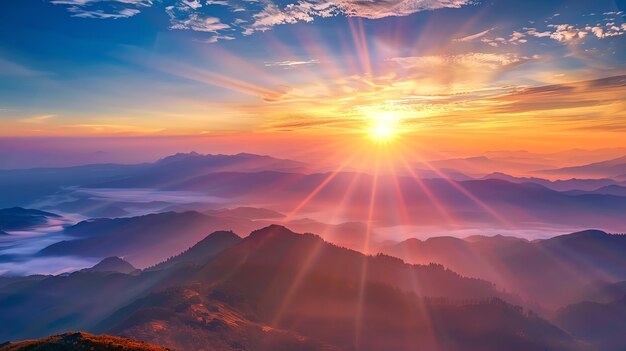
202 251
112 264
583 237
271 231
221 234
589 233
177 157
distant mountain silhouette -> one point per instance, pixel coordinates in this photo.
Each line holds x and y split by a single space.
550 272
144 240
112 264
510 202
24 186
79 341
608 169
424 172
600 324
18 218
181 167
616 190
570 185
253 179
481 165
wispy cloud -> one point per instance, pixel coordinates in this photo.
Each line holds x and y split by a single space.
215 38
292 63
472 60
37 119
474 36
104 9
10 68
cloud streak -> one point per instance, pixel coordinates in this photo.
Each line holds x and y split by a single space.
262 15
104 9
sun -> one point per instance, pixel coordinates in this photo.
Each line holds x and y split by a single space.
384 126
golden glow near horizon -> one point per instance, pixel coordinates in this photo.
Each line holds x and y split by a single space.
384 126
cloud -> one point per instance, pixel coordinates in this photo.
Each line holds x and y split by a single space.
37 119
218 2
182 18
194 4
216 38
307 11
566 33
121 13
562 32
104 9
265 14
390 8
291 63
472 60
303 11
583 104
474 36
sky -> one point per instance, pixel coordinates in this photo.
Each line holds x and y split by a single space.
449 74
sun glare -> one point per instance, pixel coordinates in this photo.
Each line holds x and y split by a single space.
384 126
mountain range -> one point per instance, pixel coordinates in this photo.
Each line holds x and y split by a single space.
213 182
546 273
276 289
610 168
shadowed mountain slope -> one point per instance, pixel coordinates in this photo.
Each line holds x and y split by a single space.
601 324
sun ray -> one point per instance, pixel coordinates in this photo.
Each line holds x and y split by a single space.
312 256
366 251
319 188
465 192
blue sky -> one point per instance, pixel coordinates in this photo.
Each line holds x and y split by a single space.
150 66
